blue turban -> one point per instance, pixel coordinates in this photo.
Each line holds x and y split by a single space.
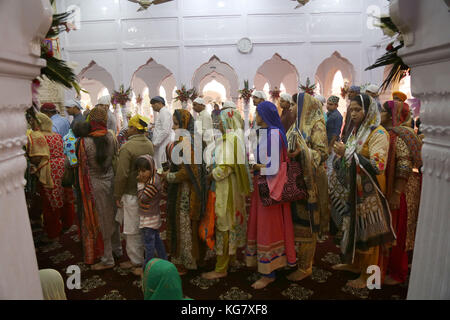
158 99
356 89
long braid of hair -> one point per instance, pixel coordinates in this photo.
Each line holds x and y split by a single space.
101 147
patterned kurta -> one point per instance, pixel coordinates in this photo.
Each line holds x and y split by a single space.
56 195
306 225
376 150
187 221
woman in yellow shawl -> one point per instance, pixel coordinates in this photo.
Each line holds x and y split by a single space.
308 144
231 176
39 153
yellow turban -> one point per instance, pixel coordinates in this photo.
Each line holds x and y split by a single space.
399 95
139 122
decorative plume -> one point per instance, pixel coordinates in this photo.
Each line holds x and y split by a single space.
301 3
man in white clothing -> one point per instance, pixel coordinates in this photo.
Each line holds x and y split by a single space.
257 97
205 119
372 90
204 127
162 132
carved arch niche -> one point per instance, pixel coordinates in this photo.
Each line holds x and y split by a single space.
150 77
94 79
276 71
327 70
222 72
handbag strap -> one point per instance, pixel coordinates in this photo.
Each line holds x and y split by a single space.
285 158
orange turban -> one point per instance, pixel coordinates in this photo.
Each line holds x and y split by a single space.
399 95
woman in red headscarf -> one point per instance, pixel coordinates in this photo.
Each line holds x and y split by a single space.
99 230
404 155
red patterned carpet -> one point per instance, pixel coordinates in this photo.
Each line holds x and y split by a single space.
116 284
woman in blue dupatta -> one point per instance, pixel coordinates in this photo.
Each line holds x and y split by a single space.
270 234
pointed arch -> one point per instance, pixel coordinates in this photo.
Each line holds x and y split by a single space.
153 74
222 71
327 69
278 70
93 78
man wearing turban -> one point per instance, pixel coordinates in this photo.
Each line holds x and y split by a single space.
372 90
399 96
125 189
73 108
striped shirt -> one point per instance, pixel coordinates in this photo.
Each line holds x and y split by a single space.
149 197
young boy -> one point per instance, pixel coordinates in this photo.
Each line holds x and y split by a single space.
149 195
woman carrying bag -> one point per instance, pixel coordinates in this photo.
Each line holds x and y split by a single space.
270 234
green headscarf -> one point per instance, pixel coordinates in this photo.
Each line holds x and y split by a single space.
161 281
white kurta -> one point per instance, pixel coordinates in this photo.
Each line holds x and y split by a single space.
206 126
205 130
162 135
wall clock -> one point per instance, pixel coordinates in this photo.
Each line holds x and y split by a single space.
244 45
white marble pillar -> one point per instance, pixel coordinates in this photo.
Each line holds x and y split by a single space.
22 25
427 52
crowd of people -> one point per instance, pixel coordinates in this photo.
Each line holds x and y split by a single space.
356 178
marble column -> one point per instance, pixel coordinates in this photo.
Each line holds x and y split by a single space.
425 25
23 24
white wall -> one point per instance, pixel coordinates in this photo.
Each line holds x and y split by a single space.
182 35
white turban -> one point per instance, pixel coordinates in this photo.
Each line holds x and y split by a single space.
73 103
372 88
320 98
229 104
200 101
259 94
106 100
286 97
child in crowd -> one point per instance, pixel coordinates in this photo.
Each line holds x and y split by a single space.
149 195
